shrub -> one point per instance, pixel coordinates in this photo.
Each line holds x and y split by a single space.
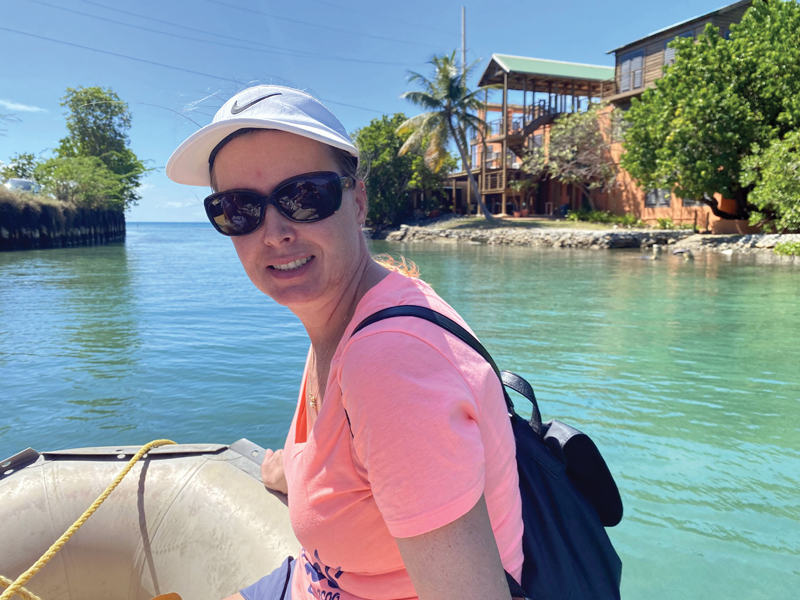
787 248
666 223
600 216
629 220
590 216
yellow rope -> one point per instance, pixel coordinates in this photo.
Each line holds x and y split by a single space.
21 592
16 586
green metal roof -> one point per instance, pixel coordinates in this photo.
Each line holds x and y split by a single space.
552 68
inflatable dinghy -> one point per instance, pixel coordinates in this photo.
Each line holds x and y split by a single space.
193 519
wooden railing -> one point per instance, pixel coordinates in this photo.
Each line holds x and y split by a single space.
517 124
493 182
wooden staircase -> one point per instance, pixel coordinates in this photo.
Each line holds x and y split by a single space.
516 141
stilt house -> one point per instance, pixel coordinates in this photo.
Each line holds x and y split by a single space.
535 92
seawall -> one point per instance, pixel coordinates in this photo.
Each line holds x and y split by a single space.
32 225
556 238
761 244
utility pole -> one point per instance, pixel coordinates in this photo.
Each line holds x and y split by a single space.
468 166
463 39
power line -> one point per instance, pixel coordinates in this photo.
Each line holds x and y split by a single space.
307 55
309 24
142 60
170 23
179 26
193 29
158 64
381 17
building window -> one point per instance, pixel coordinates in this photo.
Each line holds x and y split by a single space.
669 53
657 197
631 71
690 202
538 140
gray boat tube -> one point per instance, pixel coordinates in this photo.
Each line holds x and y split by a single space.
193 519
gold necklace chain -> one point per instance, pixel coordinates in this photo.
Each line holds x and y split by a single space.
313 400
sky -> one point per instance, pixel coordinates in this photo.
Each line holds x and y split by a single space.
176 61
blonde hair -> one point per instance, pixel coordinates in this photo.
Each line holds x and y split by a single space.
401 265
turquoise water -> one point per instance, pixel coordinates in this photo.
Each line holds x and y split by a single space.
685 373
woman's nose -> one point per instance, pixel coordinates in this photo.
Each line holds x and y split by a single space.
276 229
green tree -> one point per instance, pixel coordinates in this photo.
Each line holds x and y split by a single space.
98 123
391 176
579 150
448 119
82 180
774 175
430 182
22 165
720 99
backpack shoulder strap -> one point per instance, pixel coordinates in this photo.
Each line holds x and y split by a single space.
446 323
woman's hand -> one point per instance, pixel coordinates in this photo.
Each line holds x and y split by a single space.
272 471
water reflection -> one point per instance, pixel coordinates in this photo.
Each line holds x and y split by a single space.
105 329
73 313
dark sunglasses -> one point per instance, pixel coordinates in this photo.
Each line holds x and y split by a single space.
302 199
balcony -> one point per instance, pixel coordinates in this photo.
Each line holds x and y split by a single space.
495 128
493 160
517 123
493 182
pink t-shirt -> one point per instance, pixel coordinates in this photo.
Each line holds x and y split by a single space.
430 434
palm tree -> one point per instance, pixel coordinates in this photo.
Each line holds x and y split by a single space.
448 102
7 119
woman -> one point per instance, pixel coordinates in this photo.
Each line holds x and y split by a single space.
399 464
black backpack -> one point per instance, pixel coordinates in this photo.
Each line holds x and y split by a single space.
568 494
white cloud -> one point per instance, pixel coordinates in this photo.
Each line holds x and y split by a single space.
16 106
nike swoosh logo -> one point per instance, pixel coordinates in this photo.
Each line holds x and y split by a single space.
236 109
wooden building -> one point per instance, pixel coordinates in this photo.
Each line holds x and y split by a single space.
545 89
640 62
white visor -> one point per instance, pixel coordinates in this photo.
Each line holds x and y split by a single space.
261 107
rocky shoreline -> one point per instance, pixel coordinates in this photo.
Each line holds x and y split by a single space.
762 244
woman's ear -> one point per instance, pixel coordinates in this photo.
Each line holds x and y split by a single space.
361 200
